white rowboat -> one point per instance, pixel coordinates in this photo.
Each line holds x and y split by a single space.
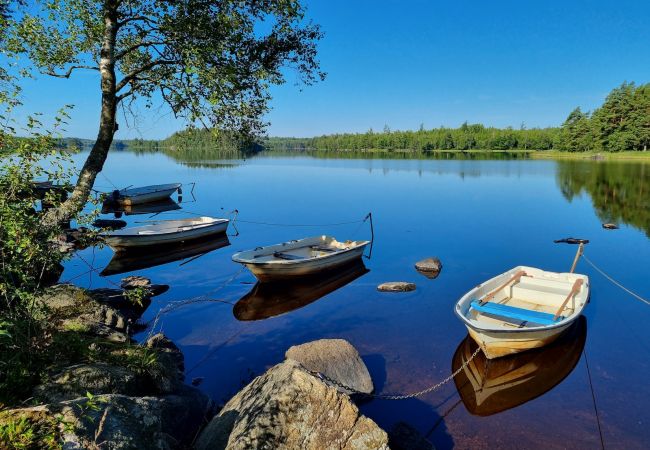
299 258
522 309
165 232
144 194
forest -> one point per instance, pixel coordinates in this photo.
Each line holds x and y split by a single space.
622 123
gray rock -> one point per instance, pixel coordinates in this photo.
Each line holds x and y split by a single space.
98 378
171 362
287 408
337 359
122 422
396 286
404 437
429 267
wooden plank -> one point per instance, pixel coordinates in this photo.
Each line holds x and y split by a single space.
512 312
574 291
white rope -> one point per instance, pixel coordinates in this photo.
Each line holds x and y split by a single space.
638 297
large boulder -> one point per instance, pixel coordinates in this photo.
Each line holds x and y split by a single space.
287 408
338 360
121 422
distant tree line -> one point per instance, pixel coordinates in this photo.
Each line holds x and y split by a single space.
621 123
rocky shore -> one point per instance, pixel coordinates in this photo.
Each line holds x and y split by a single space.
118 394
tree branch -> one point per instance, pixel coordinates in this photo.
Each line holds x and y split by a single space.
128 78
128 50
69 71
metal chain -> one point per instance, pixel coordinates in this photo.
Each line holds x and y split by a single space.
436 386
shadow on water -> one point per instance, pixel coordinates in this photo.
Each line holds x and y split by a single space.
137 259
142 208
267 300
489 387
619 191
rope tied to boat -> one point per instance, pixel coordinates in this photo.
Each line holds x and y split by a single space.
427 390
613 281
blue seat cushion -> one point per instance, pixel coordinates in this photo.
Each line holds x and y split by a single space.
512 312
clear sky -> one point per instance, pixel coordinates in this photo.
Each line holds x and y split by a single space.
406 63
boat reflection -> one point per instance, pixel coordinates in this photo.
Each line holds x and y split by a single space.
137 259
273 299
141 208
489 387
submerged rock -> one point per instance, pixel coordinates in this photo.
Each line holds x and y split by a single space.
610 226
404 437
396 286
288 408
429 267
135 282
337 359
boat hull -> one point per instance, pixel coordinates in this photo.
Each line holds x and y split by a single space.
118 243
496 344
266 272
146 198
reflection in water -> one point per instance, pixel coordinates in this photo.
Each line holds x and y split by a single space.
620 191
488 387
137 259
141 208
272 299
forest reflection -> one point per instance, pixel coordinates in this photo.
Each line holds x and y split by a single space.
619 190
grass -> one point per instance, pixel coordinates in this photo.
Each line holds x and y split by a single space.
608 156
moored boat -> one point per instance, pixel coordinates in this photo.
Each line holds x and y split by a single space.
165 232
299 258
522 309
144 194
141 208
490 386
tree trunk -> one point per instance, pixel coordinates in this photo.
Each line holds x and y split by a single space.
97 157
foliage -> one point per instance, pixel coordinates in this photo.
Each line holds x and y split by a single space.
622 123
25 433
211 60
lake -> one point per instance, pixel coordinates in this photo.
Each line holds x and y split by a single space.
480 217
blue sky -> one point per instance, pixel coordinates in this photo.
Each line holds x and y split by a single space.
406 63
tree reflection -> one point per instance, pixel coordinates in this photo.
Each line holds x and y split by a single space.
620 191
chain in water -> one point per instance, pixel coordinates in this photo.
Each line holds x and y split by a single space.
395 396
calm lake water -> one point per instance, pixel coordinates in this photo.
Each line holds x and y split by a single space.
480 218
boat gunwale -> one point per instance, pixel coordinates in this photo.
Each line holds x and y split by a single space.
124 193
251 262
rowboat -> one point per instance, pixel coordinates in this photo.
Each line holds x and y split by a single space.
138 258
267 300
165 232
144 194
490 386
522 309
299 258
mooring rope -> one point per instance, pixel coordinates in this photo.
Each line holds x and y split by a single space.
633 294
593 398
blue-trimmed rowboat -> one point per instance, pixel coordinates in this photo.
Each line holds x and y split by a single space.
522 309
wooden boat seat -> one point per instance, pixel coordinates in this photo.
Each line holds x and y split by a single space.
512 312
287 256
542 292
